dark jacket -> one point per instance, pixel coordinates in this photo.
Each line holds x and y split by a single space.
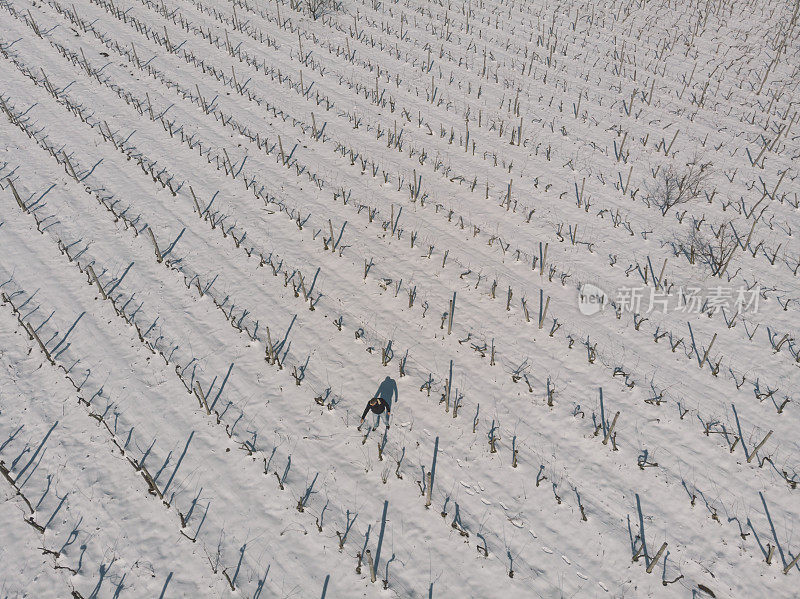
377 408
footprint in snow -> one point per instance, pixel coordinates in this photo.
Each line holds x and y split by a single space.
532 533
485 501
547 550
582 575
603 586
566 561
503 505
468 489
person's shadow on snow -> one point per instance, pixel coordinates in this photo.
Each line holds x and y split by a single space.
387 391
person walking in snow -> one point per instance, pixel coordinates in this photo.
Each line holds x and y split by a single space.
376 405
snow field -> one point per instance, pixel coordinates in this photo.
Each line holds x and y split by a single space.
323 190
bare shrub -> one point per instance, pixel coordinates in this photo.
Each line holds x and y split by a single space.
714 250
319 8
674 186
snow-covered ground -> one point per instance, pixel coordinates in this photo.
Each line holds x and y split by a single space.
564 233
